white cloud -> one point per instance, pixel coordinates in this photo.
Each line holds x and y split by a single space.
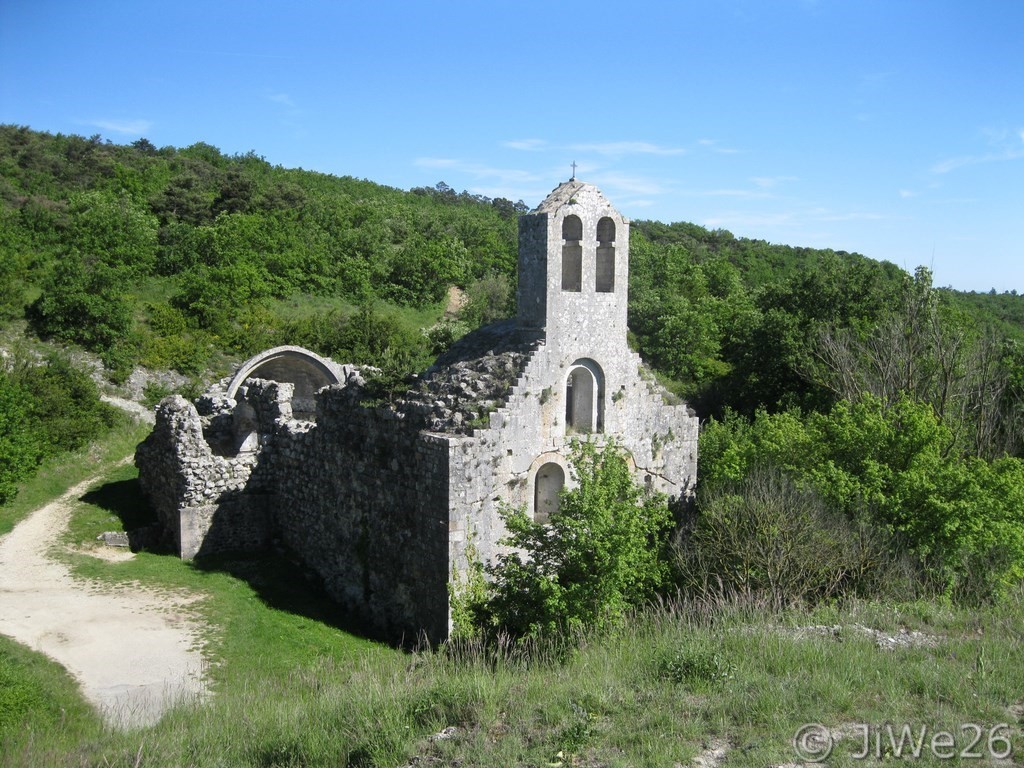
856 216
637 185
713 145
768 182
906 193
794 221
749 222
129 127
1004 147
435 162
479 171
282 98
526 145
744 193
627 148
966 161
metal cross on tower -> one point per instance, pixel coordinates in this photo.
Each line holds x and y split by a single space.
573 171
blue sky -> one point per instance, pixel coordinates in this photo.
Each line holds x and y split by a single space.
894 129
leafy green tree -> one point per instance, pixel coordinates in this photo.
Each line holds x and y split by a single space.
213 297
11 291
85 301
772 361
685 315
928 348
113 228
45 409
66 411
601 554
186 198
421 273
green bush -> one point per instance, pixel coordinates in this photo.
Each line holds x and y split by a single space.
489 298
20 447
602 553
44 410
698 667
85 301
892 466
767 541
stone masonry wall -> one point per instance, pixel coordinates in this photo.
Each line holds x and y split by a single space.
360 496
498 464
206 502
364 501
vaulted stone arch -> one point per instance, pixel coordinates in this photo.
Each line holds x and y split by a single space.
306 370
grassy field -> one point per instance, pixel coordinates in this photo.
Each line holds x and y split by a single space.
294 685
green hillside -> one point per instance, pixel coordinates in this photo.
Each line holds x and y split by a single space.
187 259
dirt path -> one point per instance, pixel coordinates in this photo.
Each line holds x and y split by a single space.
135 652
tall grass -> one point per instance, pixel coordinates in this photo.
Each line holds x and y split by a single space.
653 693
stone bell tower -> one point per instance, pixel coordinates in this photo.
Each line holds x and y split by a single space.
573 287
574 267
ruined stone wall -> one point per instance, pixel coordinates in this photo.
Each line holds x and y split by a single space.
207 500
360 496
363 500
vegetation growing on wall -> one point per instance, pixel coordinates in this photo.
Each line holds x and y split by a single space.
603 554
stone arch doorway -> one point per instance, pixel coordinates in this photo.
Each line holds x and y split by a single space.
584 397
306 370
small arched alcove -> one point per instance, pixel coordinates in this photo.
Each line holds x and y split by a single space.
605 272
572 254
547 489
584 397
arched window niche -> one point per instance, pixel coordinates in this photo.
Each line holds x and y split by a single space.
605 272
572 254
547 489
584 397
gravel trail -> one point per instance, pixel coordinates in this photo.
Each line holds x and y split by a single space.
134 651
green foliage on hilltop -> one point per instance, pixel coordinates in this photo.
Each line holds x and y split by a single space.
93 230
177 257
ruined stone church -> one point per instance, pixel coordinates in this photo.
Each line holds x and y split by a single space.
381 501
